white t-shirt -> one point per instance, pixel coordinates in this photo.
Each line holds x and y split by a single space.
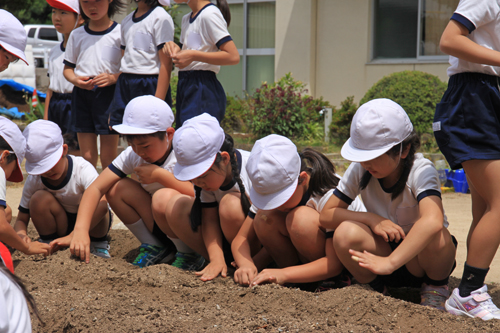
422 181
206 32
91 53
3 189
482 19
69 193
14 313
142 38
125 163
58 82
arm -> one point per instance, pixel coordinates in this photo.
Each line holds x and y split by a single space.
247 270
455 42
83 82
21 226
212 236
150 173
47 102
105 79
425 228
227 55
164 76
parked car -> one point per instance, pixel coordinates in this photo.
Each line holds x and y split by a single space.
42 37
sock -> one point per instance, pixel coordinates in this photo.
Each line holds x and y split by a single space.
143 234
181 246
437 283
377 284
472 279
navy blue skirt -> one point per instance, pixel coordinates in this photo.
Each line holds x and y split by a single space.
60 111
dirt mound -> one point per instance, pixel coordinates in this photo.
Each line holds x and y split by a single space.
114 296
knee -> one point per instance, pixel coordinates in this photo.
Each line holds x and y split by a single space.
298 223
161 198
264 225
40 201
178 208
115 191
230 208
346 237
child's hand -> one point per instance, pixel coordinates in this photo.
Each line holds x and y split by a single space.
245 275
375 264
60 243
146 173
388 230
213 270
80 247
171 49
104 80
269 276
84 82
183 58
38 248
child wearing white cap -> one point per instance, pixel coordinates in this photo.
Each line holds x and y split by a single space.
147 126
402 240
12 40
54 188
208 223
65 17
289 190
12 150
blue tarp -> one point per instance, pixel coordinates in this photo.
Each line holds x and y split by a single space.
20 87
12 112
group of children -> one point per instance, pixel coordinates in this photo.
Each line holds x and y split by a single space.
274 214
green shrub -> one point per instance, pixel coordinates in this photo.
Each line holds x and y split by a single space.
173 90
235 119
418 93
341 121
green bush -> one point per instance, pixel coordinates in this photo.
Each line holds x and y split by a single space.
418 93
341 121
235 119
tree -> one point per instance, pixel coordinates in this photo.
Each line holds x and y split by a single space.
29 11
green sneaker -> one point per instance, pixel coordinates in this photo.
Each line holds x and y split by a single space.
150 255
189 261
100 249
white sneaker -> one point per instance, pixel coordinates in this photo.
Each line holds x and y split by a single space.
478 304
100 249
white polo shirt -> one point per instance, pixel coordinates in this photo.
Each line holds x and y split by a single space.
58 82
3 189
14 313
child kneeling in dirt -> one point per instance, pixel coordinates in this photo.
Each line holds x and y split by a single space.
54 189
402 239
147 126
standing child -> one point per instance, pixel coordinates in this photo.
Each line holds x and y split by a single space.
206 45
54 188
92 65
65 17
402 240
147 127
466 126
145 68
290 190
12 40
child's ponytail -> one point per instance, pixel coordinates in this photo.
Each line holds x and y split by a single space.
224 9
321 170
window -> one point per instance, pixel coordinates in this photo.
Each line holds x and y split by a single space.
48 34
31 33
410 29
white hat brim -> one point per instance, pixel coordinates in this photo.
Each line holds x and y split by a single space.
273 200
44 165
126 129
190 172
353 154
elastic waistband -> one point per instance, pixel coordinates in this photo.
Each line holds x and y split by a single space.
191 74
138 76
61 95
473 77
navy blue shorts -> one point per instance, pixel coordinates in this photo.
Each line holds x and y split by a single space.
467 120
130 86
90 110
60 111
199 92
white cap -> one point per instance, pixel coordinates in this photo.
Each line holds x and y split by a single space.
145 115
66 5
377 126
164 2
12 35
11 133
44 146
196 145
273 168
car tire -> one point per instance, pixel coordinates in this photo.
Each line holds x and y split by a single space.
38 62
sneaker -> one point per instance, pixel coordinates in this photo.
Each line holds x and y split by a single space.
100 249
189 261
150 255
478 304
434 296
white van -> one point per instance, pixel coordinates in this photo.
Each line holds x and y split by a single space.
42 37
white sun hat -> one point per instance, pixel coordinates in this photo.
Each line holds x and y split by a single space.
12 35
66 5
11 133
196 145
273 168
44 146
377 126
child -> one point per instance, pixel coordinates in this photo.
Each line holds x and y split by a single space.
206 157
65 17
54 188
147 127
92 65
145 68
402 239
12 149
466 126
289 190
12 40
206 45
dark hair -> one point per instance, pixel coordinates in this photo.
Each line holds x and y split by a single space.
130 137
17 58
227 146
5 146
414 141
19 282
116 6
71 141
321 170
224 9
150 3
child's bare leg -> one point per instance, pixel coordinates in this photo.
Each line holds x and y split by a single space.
478 209
304 229
270 227
88 147
47 214
8 214
99 226
109 149
231 215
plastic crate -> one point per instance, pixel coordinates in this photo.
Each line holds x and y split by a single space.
459 181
